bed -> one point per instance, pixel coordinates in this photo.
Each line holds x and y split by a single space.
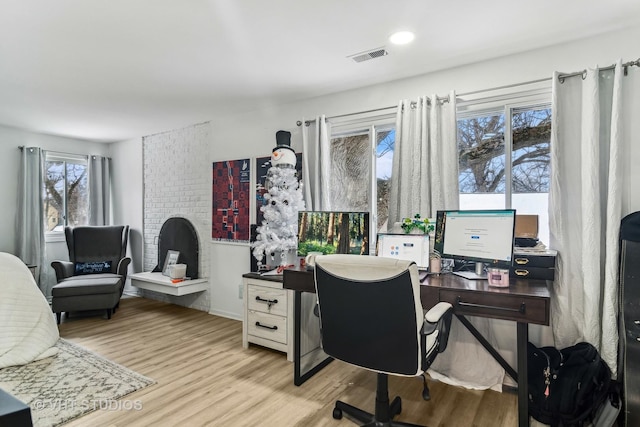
28 329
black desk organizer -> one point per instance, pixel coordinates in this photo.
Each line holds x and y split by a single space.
533 266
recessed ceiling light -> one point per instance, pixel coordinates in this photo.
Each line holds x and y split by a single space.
402 37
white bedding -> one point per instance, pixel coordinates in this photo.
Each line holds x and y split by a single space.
28 329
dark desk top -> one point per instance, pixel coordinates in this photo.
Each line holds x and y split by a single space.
302 280
13 412
523 287
274 278
523 301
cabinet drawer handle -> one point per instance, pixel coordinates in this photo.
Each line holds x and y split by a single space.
520 272
273 328
520 310
269 302
521 261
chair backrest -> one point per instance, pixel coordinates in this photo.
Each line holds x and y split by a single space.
97 243
370 312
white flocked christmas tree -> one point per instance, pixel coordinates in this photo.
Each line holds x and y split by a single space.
278 234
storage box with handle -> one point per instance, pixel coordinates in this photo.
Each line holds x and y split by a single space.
530 265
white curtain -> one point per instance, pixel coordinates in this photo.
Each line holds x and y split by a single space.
315 164
99 171
425 160
424 180
30 246
315 181
585 208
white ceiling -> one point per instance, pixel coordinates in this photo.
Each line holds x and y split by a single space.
109 70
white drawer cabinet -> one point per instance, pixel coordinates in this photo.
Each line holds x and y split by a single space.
268 314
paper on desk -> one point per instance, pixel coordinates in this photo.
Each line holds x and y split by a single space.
275 272
278 271
540 248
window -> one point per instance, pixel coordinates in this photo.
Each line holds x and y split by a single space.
361 160
66 192
504 158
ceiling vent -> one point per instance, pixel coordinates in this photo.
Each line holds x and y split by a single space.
370 54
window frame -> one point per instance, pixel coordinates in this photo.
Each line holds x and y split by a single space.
507 103
370 125
54 156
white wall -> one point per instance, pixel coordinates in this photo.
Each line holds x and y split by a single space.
128 198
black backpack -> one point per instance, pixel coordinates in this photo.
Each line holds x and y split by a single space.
566 387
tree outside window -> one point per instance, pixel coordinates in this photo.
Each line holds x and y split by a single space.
66 200
360 180
504 161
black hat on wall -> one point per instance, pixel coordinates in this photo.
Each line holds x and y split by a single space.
283 140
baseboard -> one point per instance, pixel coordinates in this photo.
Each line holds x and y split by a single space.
226 314
132 294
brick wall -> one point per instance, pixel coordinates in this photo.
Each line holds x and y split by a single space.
177 183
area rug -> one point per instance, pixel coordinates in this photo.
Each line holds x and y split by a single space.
70 384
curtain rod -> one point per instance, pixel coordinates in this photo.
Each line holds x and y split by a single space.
530 82
561 78
308 122
413 105
441 99
22 147
583 73
64 153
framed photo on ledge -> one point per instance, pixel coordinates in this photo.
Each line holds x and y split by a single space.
171 259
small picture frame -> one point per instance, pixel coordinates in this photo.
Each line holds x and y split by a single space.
171 259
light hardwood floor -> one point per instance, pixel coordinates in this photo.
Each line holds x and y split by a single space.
205 378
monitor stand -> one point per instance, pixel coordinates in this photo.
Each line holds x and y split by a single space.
478 274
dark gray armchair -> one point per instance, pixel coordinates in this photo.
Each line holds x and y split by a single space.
95 275
94 244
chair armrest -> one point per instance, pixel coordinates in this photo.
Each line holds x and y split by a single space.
63 269
123 266
439 318
436 312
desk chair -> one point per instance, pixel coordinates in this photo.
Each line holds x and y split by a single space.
371 317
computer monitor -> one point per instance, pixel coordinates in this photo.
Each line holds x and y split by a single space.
482 236
410 247
333 232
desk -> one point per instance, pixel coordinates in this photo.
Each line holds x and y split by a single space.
524 301
13 412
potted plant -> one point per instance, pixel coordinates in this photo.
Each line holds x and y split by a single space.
417 225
